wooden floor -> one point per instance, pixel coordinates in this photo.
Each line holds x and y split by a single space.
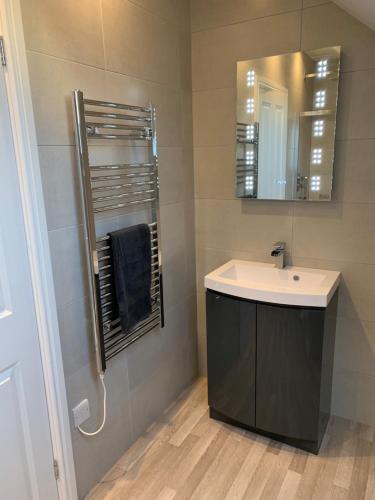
186 455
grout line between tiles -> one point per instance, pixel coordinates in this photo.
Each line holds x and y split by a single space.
86 65
235 23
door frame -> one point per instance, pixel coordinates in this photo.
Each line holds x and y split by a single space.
26 151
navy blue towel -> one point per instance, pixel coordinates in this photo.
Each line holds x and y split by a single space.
131 261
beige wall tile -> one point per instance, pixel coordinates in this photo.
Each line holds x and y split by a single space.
94 457
328 25
366 402
214 118
52 83
175 175
356 106
242 226
167 101
354 173
185 60
69 30
352 396
357 287
215 172
345 399
68 264
187 118
210 13
177 252
175 11
361 334
313 3
216 52
61 186
147 47
334 232
77 340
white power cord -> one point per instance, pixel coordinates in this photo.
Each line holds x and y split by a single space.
101 375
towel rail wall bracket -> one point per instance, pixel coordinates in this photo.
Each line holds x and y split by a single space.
112 189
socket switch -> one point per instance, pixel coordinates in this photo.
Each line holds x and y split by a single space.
81 412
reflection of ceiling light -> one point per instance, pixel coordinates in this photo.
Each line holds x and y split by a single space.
318 128
250 157
250 132
250 81
250 106
322 68
320 99
315 183
249 182
317 155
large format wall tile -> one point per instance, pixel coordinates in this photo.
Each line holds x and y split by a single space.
215 172
52 83
216 52
314 3
357 287
175 11
214 117
234 225
335 232
175 175
166 100
76 334
353 396
356 109
69 264
210 13
94 457
354 172
69 29
61 186
147 48
362 335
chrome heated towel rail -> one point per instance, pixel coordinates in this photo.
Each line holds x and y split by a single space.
114 189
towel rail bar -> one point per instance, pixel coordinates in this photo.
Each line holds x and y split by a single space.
122 137
121 176
123 195
116 105
122 186
115 126
121 166
123 205
118 116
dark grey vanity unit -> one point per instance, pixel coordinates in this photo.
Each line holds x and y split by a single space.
270 367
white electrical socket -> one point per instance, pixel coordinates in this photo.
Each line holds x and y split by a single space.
81 412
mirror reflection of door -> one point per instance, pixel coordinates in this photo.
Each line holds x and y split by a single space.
273 130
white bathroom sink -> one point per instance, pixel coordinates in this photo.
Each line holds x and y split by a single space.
297 286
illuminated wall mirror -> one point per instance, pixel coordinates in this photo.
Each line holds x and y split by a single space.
286 120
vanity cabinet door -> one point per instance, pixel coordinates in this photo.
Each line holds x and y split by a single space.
231 344
289 363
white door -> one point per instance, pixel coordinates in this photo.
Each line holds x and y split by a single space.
273 123
26 459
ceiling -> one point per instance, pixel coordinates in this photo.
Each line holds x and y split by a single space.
364 10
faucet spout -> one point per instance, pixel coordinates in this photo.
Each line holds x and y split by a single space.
278 252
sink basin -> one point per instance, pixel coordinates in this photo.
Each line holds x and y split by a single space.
297 286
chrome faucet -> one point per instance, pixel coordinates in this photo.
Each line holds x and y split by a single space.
278 251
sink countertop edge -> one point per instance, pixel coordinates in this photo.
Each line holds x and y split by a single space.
316 298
